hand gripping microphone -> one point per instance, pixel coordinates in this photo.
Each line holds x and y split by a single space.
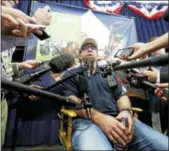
57 64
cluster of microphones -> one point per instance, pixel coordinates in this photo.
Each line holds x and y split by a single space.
66 60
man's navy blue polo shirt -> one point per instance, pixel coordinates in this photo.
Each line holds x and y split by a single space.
102 97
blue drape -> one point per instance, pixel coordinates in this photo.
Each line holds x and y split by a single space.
43 130
146 29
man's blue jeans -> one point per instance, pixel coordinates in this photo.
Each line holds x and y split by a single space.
88 136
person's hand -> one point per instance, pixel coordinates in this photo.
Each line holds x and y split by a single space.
130 122
139 51
43 16
22 30
114 130
10 3
16 27
152 75
159 90
16 13
29 64
36 86
33 97
8 22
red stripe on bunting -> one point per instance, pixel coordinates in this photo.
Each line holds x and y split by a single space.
115 11
154 16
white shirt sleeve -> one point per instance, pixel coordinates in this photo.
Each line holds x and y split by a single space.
158 77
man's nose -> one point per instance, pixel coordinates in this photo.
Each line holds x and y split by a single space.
89 49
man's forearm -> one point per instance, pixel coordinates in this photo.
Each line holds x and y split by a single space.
161 42
123 103
95 115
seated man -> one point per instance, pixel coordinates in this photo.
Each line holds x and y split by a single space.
108 108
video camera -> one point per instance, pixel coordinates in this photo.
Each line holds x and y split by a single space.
135 78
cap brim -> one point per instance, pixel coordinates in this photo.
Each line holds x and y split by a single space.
89 41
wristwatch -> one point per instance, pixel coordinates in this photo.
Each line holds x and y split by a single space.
128 110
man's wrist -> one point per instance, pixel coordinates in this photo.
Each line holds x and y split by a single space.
127 110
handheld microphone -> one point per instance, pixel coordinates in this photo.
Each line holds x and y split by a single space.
57 64
6 84
155 61
27 78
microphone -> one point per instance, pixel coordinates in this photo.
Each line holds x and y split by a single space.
57 64
26 89
27 78
62 62
155 61
106 67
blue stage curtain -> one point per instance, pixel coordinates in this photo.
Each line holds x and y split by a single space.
146 29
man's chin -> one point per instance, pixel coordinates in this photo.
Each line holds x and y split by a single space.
90 58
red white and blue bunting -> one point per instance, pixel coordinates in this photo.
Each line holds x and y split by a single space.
105 6
148 11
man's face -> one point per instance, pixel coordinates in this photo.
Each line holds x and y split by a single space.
88 52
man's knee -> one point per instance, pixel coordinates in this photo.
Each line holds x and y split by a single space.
150 136
89 137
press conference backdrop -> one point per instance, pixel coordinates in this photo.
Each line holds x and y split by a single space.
71 25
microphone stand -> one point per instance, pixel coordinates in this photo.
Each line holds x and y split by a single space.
87 105
64 79
86 101
59 82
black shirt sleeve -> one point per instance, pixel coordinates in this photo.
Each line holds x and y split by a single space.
117 90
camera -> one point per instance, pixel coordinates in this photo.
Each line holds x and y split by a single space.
135 78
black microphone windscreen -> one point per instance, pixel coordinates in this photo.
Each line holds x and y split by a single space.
62 62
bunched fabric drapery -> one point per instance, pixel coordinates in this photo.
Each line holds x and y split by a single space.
148 11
